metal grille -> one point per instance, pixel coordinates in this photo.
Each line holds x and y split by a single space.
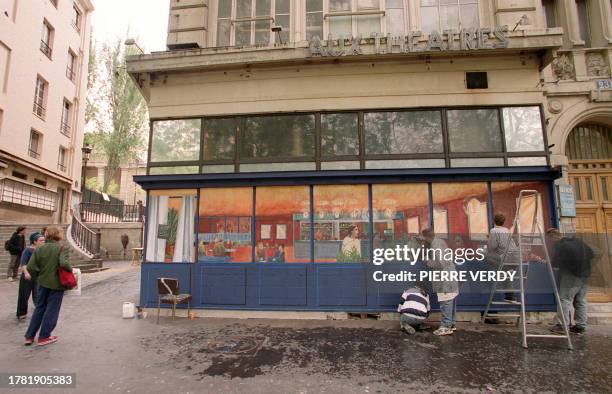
16 192
589 142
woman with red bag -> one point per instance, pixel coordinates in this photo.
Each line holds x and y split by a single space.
44 265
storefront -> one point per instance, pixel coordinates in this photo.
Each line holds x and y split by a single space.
260 238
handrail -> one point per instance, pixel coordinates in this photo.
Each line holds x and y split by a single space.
110 213
84 237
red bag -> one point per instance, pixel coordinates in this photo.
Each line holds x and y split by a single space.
66 278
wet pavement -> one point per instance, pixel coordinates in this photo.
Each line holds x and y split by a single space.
110 354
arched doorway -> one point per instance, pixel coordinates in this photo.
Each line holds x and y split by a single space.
589 150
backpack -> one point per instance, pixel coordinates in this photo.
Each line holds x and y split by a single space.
7 244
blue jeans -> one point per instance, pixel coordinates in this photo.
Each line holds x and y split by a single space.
46 313
448 310
572 291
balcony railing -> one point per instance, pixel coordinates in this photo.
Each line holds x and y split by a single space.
76 26
21 193
33 153
65 129
61 167
70 74
39 110
45 48
110 213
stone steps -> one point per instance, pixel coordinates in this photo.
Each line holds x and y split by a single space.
600 313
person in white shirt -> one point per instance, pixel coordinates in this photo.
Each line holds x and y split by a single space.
414 308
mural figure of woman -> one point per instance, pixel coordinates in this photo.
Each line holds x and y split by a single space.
351 243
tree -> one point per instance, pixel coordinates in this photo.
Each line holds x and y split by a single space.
116 111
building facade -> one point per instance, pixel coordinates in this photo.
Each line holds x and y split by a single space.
44 50
290 139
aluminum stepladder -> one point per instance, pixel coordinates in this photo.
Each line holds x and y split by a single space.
536 238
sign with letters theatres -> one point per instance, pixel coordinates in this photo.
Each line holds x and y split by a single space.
468 40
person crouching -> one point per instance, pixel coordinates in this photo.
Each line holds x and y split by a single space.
414 308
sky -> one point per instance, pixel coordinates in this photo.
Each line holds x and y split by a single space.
146 21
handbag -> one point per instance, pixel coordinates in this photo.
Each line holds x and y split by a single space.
66 278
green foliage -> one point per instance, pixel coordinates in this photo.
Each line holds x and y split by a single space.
172 225
93 184
116 109
351 257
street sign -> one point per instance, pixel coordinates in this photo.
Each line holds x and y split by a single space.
567 203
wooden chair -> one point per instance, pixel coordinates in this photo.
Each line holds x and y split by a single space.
168 292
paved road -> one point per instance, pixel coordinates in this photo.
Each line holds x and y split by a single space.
110 354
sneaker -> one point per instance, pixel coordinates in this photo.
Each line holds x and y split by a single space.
47 341
577 330
28 341
454 328
408 329
443 331
22 317
557 329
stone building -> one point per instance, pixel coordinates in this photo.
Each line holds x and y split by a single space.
44 48
312 132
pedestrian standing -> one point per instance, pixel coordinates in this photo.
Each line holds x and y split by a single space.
27 287
574 258
447 291
15 245
44 264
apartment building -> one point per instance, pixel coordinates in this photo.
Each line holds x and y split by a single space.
290 138
44 49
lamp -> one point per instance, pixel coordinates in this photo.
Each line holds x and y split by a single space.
132 42
86 149
523 21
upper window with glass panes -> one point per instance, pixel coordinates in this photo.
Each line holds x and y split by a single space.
443 15
250 22
353 18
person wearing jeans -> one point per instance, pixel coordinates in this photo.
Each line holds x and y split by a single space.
44 264
448 309
28 287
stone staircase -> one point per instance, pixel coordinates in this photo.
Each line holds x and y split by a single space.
600 313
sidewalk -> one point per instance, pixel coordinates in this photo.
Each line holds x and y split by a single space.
111 354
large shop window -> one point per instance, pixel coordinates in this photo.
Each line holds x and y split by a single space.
505 199
523 129
341 223
441 15
224 225
219 138
364 24
400 212
282 233
461 212
339 134
249 22
171 226
474 130
176 140
282 136
403 132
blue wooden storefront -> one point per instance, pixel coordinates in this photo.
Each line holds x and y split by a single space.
325 286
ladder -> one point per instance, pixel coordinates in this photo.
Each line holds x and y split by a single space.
535 238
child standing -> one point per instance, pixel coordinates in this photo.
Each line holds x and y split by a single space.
446 291
414 308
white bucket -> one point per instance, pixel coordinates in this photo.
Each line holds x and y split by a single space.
77 289
128 310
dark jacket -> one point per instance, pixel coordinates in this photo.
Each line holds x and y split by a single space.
25 256
16 244
573 256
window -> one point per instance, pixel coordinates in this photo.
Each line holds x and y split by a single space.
281 136
249 22
460 212
219 137
61 160
224 232
523 129
341 221
46 41
474 130
505 195
397 219
40 182
339 134
550 13
35 145
314 19
54 2
5 61
171 235
71 66
282 213
176 140
583 22
403 132
76 18
20 175
66 117
394 17
348 18
442 15
40 98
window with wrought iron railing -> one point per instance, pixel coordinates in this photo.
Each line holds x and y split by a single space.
34 145
19 192
76 19
70 68
46 39
40 96
66 115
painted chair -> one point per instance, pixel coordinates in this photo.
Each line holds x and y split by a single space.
168 292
